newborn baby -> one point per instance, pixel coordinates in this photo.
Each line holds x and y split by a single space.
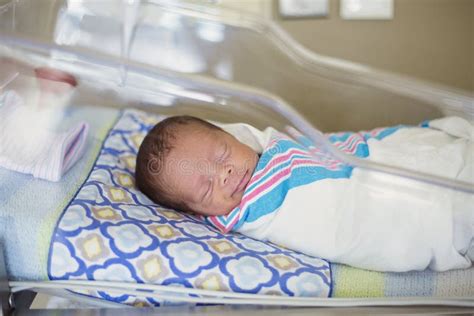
271 187
189 164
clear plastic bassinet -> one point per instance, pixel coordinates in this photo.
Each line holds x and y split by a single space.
230 65
219 64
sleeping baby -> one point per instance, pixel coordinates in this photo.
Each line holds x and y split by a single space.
269 186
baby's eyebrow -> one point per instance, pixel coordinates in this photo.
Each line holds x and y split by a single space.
223 153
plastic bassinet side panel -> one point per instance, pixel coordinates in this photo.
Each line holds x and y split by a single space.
203 39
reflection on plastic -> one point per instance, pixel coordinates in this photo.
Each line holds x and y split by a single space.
152 41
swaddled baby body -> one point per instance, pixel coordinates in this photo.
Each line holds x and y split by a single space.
270 187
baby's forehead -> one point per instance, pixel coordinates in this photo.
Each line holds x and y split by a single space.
199 133
191 143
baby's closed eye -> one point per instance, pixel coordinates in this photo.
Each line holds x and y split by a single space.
207 191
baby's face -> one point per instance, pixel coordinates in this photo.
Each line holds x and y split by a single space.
209 170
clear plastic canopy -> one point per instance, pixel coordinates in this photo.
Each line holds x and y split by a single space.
184 57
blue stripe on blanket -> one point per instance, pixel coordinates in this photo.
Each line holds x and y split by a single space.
274 199
421 283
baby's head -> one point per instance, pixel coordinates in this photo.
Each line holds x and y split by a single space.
189 164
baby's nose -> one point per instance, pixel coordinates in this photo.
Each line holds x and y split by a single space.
227 173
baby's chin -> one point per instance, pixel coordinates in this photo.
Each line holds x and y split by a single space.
228 209
220 212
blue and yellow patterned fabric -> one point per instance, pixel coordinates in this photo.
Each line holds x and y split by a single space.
112 232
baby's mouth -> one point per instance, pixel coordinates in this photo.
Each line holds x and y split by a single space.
242 183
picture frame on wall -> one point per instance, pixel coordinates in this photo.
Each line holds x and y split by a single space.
303 9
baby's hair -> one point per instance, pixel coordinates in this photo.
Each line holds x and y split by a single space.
152 155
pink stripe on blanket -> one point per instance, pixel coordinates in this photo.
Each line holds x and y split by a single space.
270 182
275 162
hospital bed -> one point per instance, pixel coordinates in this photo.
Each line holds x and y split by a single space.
139 61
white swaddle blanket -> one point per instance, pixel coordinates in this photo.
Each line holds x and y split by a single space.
29 143
369 220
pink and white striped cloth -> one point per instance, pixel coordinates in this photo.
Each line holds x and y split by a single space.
29 143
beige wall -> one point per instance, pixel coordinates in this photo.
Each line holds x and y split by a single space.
428 39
